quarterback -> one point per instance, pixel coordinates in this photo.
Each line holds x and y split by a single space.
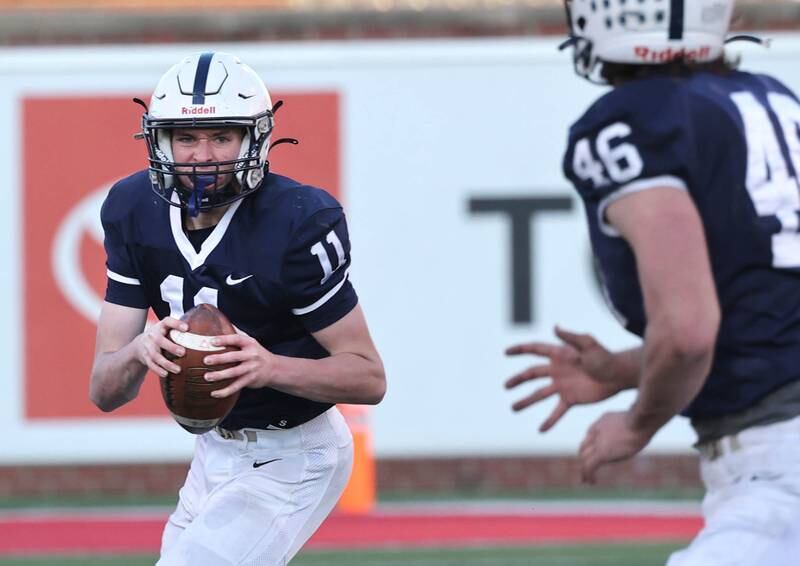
688 170
208 222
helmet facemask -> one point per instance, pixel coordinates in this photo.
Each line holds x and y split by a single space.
585 63
246 172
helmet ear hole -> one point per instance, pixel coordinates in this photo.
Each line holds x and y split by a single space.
163 151
246 136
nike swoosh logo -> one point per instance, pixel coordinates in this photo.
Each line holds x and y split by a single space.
231 281
259 464
765 476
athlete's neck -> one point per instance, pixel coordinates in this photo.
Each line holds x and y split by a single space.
206 219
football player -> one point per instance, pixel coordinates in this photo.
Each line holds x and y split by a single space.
688 170
207 222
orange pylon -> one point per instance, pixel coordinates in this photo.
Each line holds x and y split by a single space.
359 495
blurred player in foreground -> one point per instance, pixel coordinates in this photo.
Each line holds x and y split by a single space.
688 170
209 223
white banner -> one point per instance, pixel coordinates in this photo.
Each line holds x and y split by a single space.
466 237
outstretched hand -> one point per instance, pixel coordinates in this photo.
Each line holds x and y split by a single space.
581 371
611 438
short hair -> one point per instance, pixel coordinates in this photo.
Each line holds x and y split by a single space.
617 73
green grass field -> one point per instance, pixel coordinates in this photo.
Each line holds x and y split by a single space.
579 493
588 555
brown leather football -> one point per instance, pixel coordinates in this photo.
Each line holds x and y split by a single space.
187 394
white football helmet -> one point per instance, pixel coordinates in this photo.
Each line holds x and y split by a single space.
208 90
645 32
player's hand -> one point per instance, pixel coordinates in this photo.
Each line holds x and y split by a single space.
254 363
611 438
580 369
153 343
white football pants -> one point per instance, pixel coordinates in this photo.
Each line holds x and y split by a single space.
255 502
752 502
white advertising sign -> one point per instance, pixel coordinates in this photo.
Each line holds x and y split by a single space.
466 237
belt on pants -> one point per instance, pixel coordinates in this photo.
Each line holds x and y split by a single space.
249 435
713 449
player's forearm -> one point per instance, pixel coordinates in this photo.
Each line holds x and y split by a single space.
627 368
116 378
341 378
674 367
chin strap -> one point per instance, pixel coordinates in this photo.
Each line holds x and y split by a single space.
569 42
749 38
275 108
140 102
283 140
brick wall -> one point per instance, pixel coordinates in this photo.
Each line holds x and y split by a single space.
531 474
91 480
417 476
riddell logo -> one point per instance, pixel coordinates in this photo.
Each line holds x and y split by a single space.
199 110
651 56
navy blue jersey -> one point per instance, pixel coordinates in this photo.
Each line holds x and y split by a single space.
276 264
732 142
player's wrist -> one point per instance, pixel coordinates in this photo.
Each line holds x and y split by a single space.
139 353
626 368
276 369
611 378
643 421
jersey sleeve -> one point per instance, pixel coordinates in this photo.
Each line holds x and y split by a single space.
629 141
316 270
123 285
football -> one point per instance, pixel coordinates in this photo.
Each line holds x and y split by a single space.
187 394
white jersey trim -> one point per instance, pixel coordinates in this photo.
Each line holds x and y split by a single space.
663 181
121 278
324 298
193 258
